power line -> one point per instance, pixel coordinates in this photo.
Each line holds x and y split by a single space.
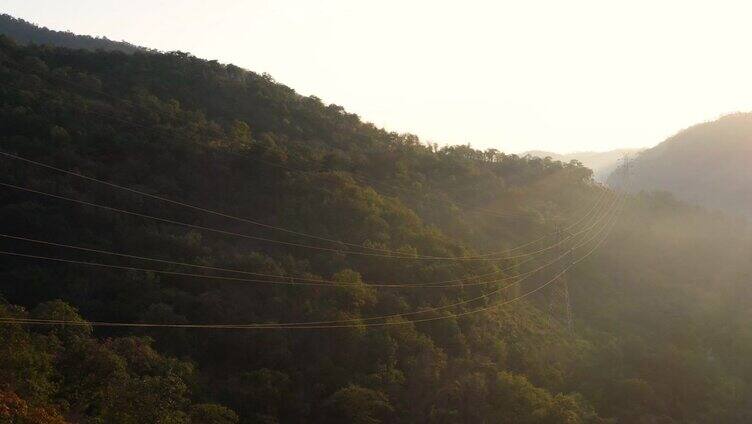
265 239
392 253
361 179
317 326
449 306
360 246
285 279
282 326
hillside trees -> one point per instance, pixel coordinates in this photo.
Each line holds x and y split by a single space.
647 306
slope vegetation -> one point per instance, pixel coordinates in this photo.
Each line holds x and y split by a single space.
27 33
275 189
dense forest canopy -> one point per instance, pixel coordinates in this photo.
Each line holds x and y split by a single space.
25 32
659 310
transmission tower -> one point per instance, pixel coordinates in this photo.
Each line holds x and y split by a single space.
568 258
625 171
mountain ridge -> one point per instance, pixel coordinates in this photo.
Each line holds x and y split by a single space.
706 164
24 32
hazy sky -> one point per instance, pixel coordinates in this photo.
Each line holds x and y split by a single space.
554 75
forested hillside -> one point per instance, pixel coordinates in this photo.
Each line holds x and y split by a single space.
709 164
27 33
167 223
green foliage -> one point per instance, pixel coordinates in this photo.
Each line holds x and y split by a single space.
46 375
59 310
14 410
357 405
204 413
660 311
26 33
515 400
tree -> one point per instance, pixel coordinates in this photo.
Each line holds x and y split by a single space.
14 410
208 413
61 311
357 405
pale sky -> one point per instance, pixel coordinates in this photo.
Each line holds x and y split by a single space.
552 75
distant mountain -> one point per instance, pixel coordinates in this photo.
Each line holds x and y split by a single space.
709 164
602 163
25 32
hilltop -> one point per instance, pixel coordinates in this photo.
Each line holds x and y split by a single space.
24 32
708 164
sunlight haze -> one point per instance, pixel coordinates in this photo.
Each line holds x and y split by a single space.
535 212
555 76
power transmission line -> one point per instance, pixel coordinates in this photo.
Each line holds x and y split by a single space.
266 239
317 324
283 326
463 302
361 179
283 279
550 281
391 253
